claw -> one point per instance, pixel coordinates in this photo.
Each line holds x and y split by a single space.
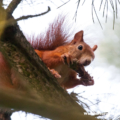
67 59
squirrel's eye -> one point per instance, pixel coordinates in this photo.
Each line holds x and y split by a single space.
80 47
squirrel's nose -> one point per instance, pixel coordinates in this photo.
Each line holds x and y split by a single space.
87 62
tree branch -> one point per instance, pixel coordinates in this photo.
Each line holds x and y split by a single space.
94 10
31 16
75 16
39 106
64 4
12 6
9 22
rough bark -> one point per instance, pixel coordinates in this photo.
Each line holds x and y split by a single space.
12 6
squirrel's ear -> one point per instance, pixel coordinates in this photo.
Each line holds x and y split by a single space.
94 47
79 36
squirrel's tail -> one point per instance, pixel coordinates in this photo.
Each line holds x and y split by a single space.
56 35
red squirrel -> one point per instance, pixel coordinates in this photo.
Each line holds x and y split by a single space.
59 51
55 50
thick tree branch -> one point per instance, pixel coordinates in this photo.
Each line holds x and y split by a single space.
21 101
12 6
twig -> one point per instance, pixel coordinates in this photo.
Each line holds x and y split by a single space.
76 10
100 4
92 11
118 1
83 2
95 103
31 16
116 7
63 4
97 16
112 5
52 2
84 104
86 99
11 21
104 8
107 11
113 19
12 6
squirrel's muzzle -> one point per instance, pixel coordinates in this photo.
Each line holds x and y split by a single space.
86 62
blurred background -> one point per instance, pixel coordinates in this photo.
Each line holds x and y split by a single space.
100 21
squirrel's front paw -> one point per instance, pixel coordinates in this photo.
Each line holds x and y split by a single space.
55 73
67 58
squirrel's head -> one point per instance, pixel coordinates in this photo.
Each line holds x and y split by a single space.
80 50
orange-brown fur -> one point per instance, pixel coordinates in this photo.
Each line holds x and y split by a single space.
52 47
54 60
53 52
54 37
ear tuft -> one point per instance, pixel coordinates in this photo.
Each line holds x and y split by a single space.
79 36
